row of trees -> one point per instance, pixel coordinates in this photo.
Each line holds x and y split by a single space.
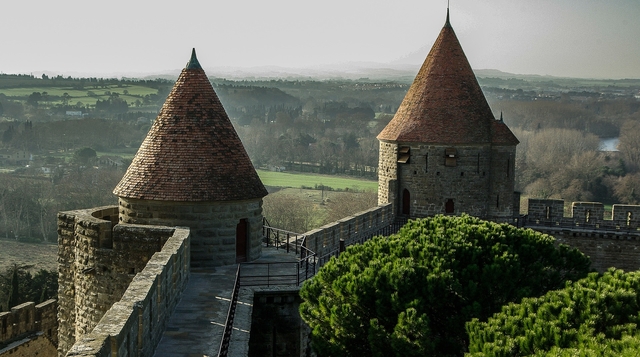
29 205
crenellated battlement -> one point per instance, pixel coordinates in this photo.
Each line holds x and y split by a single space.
608 242
550 212
27 320
97 262
135 323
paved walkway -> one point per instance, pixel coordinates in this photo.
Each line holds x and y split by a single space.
196 326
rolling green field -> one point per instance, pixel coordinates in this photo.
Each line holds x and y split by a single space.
134 92
287 179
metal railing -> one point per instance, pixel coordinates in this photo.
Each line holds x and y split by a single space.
277 273
228 326
281 239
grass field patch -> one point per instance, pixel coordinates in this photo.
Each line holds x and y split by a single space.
297 180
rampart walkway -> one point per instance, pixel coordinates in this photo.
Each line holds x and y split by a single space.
197 324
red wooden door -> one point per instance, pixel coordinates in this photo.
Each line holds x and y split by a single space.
406 202
448 207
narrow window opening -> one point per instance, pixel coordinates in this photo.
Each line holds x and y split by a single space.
588 216
478 165
450 157
497 201
508 165
628 218
132 271
548 212
462 174
426 163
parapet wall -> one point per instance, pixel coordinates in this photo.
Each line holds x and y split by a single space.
97 262
27 319
326 239
608 242
583 214
134 325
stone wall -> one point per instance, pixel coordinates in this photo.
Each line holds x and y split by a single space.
38 345
550 212
96 264
606 249
387 173
279 329
326 239
134 325
609 243
502 205
27 319
213 225
437 179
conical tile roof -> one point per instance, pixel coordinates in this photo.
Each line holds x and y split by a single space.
445 104
192 152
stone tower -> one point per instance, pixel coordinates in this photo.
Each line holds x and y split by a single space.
192 170
443 151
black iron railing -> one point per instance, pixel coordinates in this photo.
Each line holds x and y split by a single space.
228 326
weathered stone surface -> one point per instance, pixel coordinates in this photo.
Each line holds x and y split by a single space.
213 226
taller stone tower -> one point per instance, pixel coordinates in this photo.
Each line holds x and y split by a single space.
443 151
192 170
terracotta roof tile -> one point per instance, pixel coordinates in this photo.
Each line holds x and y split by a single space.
445 104
192 152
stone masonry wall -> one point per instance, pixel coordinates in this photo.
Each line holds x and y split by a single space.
325 239
501 198
134 325
37 346
432 179
609 243
387 172
97 264
27 319
213 225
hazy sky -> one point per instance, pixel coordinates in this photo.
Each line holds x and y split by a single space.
578 38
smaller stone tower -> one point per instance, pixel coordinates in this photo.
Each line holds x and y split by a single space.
443 151
192 170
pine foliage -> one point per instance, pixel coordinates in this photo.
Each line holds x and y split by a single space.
595 316
410 294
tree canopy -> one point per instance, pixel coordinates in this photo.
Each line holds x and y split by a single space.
595 316
411 293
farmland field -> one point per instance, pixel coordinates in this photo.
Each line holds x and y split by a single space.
296 180
76 95
34 256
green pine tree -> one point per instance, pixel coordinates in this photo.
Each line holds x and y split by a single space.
14 296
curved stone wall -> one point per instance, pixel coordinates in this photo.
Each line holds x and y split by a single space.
213 225
96 264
